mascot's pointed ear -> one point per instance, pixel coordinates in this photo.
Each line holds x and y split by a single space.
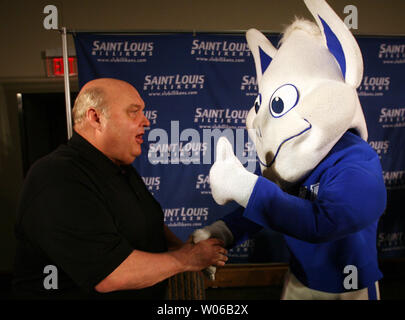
262 50
339 40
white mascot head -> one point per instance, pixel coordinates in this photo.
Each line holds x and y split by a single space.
307 94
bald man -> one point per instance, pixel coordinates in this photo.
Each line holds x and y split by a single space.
87 226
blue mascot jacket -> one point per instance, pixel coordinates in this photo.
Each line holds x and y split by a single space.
331 224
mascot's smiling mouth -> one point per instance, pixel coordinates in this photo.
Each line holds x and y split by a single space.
279 147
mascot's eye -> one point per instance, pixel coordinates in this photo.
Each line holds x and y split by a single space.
258 102
283 100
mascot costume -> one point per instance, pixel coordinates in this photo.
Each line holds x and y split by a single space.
321 184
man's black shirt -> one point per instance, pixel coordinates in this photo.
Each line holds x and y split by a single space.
84 215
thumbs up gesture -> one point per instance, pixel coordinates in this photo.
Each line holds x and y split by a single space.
229 180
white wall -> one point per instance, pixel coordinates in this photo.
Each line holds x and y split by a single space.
23 37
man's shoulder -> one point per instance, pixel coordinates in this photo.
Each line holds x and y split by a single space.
53 172
63 157
63 163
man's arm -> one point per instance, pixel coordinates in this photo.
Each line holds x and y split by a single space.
173 242
142 269
80 236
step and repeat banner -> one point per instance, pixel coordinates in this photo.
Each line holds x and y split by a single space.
199 87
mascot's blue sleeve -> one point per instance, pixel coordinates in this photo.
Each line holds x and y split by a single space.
350 197
242 228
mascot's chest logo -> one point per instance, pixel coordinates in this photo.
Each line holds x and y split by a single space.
309 193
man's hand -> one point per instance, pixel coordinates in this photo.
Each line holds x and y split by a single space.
229 180
198 256
217 230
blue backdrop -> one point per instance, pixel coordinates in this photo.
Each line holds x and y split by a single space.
197 87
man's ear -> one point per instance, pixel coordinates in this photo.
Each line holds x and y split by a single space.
93 118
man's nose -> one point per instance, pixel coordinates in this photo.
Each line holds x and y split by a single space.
146 122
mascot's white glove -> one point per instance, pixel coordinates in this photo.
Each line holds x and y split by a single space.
229 180
217 230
